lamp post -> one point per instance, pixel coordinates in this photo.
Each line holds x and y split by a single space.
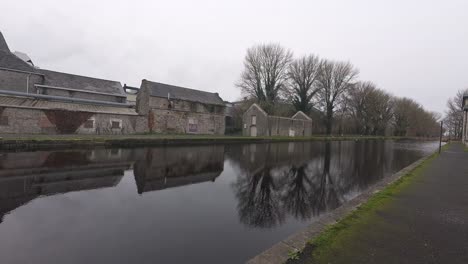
440 137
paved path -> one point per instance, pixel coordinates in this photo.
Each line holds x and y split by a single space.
427 222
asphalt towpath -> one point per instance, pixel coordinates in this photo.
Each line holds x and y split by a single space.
425 222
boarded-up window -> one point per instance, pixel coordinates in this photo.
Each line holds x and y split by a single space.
254 120
115 124
89 123
4 121
192 125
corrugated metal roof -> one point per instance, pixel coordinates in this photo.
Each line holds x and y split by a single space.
22 102
181 93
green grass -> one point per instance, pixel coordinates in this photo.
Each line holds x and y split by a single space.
337 237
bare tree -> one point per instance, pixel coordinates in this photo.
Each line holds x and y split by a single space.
358 102
303 73
335 80
454 114
265 72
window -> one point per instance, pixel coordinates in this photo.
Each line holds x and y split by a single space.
4 121
254 120
116 124
192 125
89 123
211 108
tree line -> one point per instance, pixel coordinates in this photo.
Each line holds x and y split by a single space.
453 121
331 93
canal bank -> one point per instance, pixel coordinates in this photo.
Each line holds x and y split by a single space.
36 142
419 218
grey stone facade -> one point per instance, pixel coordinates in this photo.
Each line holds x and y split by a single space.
256 122
35 121
38 101
34 100
181 110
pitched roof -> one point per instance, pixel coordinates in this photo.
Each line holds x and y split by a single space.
3 44
66 80
181 93
300 113
11 61
29 103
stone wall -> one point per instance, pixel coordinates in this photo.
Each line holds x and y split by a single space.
36 121
179 116
256 119
181 122
259 123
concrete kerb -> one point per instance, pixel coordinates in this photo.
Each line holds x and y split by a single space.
279 253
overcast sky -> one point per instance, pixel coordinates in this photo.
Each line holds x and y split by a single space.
417 49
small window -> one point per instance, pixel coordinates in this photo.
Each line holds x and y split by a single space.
254 120
4 121
193 107
116 124
89 123
211 108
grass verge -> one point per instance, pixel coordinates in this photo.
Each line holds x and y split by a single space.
337 236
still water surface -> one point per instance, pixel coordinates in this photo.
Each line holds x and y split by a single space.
199 204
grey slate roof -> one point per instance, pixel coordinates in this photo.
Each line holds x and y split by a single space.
22 102
3 44
66 80
9 60
181 93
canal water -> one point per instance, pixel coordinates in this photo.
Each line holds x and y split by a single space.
197 204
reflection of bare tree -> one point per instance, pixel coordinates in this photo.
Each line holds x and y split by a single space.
259 200
296 196
327 194
310 189
307 179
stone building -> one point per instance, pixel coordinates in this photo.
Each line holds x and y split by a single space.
34 100
256 122
173 109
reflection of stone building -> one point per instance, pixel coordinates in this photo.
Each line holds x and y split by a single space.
29 175
256 122
169 167
25 176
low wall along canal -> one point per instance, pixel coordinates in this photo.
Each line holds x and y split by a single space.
179 204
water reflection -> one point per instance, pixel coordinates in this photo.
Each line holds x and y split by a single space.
121 199
29 175
162 168
306 179
272 181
